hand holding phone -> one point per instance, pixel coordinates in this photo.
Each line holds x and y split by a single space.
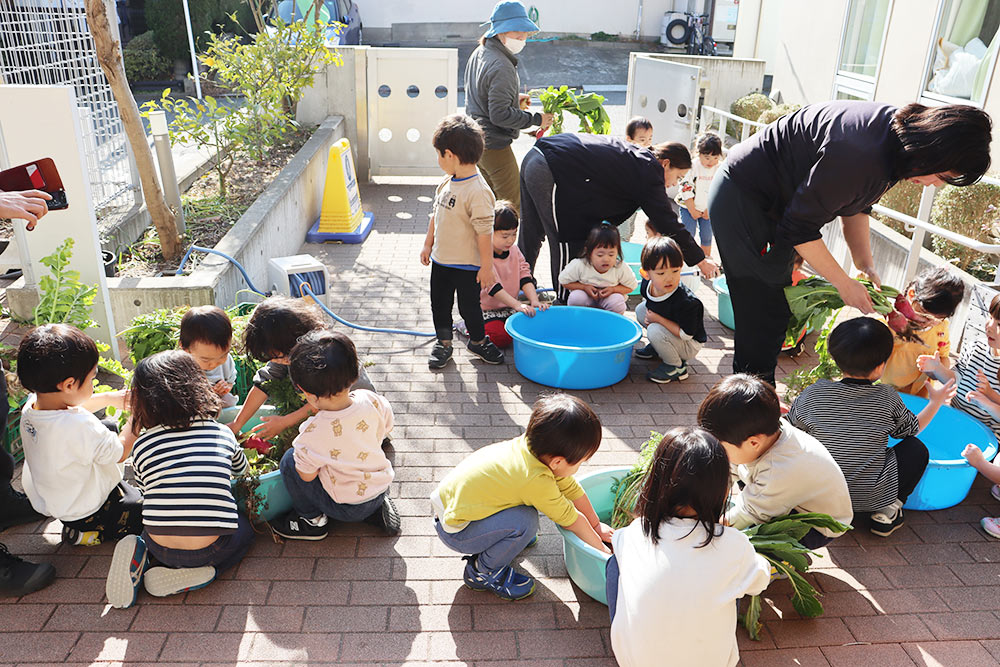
34 180
29 205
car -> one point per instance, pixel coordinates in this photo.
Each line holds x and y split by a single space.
343 15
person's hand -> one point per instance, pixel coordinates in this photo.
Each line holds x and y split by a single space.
270 426
527 309
855 295
973 455
425 255
547 119
523 101
930 364
872 275
604 531
222 387
708 268
700 214
592 291
541 305
941 393
485 276
28 205
234 428
605 292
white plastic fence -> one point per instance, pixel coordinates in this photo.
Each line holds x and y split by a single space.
721 119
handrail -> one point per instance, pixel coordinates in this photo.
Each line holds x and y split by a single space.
910 221
724 118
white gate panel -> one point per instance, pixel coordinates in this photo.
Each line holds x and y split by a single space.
409 91
666 93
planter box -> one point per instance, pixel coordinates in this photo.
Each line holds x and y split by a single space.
12 437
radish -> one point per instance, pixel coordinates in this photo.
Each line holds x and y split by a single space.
902 305
897 322
262 446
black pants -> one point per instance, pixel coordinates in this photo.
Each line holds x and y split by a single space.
445 281
6 460
761 314
911 461
120 515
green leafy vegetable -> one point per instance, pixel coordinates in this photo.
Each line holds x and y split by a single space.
65 299
588 107
814 298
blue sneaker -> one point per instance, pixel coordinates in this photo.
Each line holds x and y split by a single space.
645 352
163 581
125 574
506 582
533 542
665 373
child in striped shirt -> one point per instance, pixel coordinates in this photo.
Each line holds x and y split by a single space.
854 418
184 461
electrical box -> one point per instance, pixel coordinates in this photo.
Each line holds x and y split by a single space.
285 275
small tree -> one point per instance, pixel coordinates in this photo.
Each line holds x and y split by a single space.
109 56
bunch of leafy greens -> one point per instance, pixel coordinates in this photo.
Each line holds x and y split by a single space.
588 107
777 540
812 300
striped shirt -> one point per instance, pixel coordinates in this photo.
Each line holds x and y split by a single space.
185 475
976 356
854 419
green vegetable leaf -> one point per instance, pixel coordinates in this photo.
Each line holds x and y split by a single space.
751 618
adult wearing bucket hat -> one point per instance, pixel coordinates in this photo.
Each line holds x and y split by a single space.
492 96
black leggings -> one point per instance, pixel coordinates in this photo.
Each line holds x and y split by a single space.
445 281
911 461
120 515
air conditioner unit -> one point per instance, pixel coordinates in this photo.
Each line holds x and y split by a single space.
285 275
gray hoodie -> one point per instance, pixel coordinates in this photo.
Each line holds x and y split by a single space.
491 88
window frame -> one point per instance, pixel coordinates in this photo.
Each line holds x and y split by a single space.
929 98
859 85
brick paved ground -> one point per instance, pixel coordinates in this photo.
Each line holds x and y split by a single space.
926 596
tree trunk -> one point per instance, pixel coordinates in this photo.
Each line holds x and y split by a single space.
109 56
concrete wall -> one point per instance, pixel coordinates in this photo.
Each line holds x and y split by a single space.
727 79
274 226
806 47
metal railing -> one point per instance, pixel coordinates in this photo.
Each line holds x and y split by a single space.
711 114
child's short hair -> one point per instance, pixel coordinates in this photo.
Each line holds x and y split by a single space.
661 249
169 389
462 136
938 291
860 345
690 469
603 236
206 324
276 325
677 153
739 407
637 123
51 353
323 363
504 216
708 144
994 308
563 425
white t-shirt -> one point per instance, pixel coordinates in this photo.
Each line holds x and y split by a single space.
581 271
677 603
697 184
70 461
796 473
225 371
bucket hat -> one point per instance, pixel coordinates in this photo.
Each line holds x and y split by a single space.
509 16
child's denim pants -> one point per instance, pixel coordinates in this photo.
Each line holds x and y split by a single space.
497 539
310 499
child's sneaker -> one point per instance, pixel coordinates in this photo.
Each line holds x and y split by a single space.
991 525
386 517
125 573
440 354
163 581
506 582
486 351
888 521
294 527
74 537
645 352
995 491
665 373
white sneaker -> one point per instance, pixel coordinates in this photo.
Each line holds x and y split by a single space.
125 573
163 581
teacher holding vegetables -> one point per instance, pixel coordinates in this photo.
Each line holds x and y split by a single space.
779 188
493 98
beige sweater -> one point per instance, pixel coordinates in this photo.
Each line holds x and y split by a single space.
463 210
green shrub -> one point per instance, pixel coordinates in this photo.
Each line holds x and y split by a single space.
903 197
166 19
143 61
774 113
972 211
751 106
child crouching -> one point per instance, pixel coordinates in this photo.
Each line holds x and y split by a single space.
488 505
336 468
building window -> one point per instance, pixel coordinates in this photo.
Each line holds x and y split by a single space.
861 48
964 51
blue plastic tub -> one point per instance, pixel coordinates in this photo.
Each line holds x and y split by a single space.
632 254
570 347
725 302
948 477
271 488
584 563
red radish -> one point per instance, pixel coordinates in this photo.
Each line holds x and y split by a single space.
540 133
897 322
262 446
903 306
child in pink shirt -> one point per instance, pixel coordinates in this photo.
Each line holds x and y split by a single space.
499 301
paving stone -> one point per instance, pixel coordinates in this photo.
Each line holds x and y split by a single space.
38 646
943 654
883 655
804 657
95 647
893 628
963 625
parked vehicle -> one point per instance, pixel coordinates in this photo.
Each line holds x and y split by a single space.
692 33
343 12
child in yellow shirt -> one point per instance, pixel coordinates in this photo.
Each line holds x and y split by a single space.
933 295
488 505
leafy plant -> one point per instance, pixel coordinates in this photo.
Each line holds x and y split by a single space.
751 107
143 60
825 369
628 488
588 107
774 113
972 211
814 298
65 299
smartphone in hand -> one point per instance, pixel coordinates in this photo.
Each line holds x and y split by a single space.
38 175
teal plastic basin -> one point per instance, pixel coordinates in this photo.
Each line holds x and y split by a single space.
271 487
584 563
632 254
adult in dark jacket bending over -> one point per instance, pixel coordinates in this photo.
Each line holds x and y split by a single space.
779 188
493 97
571 183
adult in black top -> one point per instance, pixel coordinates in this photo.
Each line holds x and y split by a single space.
571 183
779 188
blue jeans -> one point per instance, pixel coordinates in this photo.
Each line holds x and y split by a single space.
700 227
223 554
497 539
611 588
310 499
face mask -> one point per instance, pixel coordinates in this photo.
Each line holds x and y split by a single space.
514 45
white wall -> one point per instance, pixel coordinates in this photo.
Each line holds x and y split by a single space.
907 42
